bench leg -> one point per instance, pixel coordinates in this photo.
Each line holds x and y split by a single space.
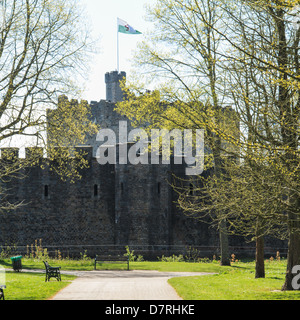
1 294
56 276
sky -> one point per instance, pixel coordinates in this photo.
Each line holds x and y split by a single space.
103 16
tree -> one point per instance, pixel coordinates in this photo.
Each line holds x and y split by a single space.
43 45
183 51
248 200
257 61
267 42
262 45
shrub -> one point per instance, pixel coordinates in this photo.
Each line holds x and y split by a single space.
172 258
140 258
37 251
131 255
192 254
8 250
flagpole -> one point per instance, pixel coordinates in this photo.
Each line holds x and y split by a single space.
118 56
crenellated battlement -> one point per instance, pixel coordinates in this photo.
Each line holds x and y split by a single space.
11 153
63 99
85 151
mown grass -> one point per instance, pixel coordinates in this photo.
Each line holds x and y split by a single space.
235 282
32 286
88 265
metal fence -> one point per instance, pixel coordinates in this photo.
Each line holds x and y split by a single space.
148 252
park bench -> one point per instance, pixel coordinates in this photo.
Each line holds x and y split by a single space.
2 292
52 272
112 259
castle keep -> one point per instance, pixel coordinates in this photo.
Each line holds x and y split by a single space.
112 206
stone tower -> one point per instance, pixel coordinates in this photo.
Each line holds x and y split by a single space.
113 90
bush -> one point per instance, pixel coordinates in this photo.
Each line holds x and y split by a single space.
131 255
8 251
37 251
140 258
172 258
192 254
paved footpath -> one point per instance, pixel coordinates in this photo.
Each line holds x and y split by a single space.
121 285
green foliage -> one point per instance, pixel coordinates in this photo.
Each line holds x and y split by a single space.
192 254
69 126
8 250
36 251
84 256
132 256
172 258
129 253
140 258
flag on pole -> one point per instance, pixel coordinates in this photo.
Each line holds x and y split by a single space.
124 27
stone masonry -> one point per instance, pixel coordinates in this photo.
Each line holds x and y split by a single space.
112 206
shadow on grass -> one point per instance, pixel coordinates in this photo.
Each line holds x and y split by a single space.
7 264
242 267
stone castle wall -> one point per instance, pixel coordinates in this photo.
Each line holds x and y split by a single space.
60 213
112 206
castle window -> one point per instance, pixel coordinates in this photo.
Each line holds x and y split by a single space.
158 188
95 190
46 191
122 188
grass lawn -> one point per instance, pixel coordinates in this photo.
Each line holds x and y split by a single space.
88 265
236 282
32 286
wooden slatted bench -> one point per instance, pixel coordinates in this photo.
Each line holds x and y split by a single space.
112 259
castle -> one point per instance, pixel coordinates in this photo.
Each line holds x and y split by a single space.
110 207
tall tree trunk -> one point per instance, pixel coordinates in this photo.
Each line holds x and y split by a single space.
293 258
259 258
290 121
224 245
259 254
